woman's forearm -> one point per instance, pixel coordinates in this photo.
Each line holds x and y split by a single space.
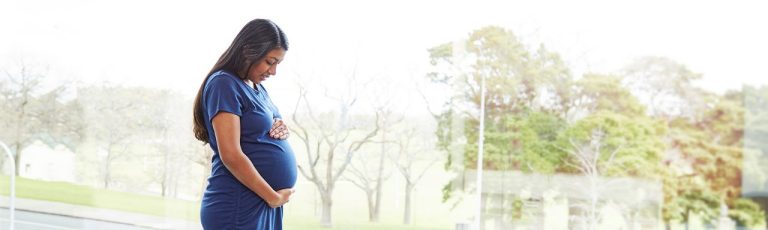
243 170
226 126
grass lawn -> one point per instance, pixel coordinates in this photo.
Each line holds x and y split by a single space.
101 198
292 224
350 210
343 220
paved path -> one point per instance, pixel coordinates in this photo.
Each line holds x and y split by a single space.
52 210
26 220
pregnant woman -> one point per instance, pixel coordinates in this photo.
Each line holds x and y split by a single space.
253 167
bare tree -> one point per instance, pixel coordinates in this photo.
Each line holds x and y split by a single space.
413 160
665 86
164 123
19 100
111 112
588 161
30 112
369 173
331 140
200 155
170 153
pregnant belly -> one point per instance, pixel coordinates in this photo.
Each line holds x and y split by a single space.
276 165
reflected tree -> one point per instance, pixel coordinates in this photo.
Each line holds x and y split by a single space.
35 111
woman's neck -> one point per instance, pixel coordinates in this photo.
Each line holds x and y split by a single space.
250 83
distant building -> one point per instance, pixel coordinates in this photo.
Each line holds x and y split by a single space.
517 200
41 162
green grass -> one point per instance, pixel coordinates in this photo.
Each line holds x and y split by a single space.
350 211
313 224
101 198
303 220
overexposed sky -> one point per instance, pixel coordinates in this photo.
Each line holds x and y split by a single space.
172 44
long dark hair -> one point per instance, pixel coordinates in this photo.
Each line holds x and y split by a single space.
254 41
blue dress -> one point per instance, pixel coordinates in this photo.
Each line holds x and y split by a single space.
227 203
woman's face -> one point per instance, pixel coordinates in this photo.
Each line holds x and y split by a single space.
267 66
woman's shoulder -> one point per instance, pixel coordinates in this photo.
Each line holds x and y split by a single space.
220 81
222 77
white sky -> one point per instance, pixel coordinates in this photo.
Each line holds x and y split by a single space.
172 44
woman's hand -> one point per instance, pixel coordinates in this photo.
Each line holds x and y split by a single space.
283 196
279 130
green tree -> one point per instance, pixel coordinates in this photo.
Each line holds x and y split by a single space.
517 142
650 115
628 146
747 213
691 195
605 145
598 92
705 141
710 149
519 80
528 99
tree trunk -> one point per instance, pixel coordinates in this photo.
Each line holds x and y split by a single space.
371 206
163 189
327 203
19 139
17 158
327 195
166 181
407 211
377 205
175 181
106 178
107 160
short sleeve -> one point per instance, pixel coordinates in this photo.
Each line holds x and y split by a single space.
222 95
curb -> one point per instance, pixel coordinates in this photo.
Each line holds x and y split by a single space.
100 214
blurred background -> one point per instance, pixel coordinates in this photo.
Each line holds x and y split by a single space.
595 114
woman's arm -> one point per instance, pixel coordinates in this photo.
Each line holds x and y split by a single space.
226 126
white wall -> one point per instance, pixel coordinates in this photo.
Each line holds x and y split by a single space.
41 162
